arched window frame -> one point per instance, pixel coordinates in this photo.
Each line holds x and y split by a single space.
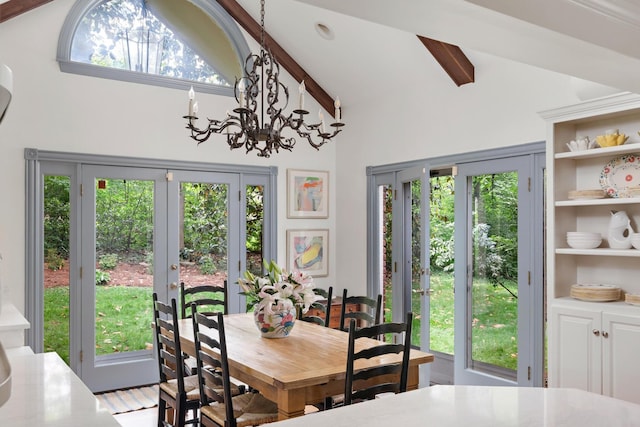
210 7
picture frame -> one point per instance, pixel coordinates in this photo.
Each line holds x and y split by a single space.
307 194
307 251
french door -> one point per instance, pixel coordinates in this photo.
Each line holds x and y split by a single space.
495 273
123 223
111 231
461 246
165 226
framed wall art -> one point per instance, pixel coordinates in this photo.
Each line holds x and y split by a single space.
307 194
307 250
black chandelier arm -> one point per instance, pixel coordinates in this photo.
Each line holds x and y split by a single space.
310 139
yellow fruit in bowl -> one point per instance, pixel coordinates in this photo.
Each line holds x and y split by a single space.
611 139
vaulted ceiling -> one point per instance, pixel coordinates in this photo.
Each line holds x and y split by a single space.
595 40
343 46
450 57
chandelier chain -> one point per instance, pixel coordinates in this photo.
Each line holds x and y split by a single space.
262 23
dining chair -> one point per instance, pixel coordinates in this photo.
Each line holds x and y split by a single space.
176 391
367 311
392 376
218 406
209 299
320 311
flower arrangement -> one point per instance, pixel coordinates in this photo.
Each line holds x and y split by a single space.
278 290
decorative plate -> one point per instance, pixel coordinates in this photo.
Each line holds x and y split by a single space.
620 174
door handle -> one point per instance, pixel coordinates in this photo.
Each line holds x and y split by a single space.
173 286
422 292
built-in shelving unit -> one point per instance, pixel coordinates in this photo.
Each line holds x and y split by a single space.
589 341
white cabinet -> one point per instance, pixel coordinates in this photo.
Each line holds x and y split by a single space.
578 356
595 348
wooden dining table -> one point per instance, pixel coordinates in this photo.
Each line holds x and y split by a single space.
301 369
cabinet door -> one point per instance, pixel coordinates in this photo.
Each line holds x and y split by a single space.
621 347
575 349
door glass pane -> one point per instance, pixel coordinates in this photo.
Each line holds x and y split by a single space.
385 198
124 226
441 300
56 269
204 229
414 187
494 320
255 226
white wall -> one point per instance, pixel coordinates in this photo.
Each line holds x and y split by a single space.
417 112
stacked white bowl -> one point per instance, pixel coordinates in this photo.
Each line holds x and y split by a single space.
583 240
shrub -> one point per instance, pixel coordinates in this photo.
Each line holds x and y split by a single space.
108 261
206 264
54 260
102 277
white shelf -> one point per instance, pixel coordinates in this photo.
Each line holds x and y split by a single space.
607 201
599 252
600 152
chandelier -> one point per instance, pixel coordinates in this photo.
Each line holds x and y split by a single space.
262 128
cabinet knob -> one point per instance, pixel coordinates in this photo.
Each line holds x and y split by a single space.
596 332
605 334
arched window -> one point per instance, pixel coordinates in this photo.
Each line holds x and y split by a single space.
171 43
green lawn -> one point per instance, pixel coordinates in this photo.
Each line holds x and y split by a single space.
494 324
124 316
123 319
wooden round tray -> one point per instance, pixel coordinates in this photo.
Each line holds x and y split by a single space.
600 293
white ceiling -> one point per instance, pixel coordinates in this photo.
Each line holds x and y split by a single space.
596 40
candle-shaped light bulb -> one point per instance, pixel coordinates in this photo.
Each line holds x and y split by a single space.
241 90
337 105
321 117
301 89
192 95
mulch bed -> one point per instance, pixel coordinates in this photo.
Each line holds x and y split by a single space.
135 275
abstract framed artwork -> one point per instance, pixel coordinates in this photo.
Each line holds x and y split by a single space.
307 251
307 194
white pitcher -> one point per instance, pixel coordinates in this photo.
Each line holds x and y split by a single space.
620 230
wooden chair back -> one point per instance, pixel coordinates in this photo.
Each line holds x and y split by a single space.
209 299
213 372
173 390
369 311
168 347
392 376
218 406
320 313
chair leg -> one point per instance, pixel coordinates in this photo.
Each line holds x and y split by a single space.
180 413
328 402
162 409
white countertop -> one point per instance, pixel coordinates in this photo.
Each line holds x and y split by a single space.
12 319
477 406
45 392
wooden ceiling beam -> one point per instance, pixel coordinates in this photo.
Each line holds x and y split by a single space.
452 59
251 26
13 8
